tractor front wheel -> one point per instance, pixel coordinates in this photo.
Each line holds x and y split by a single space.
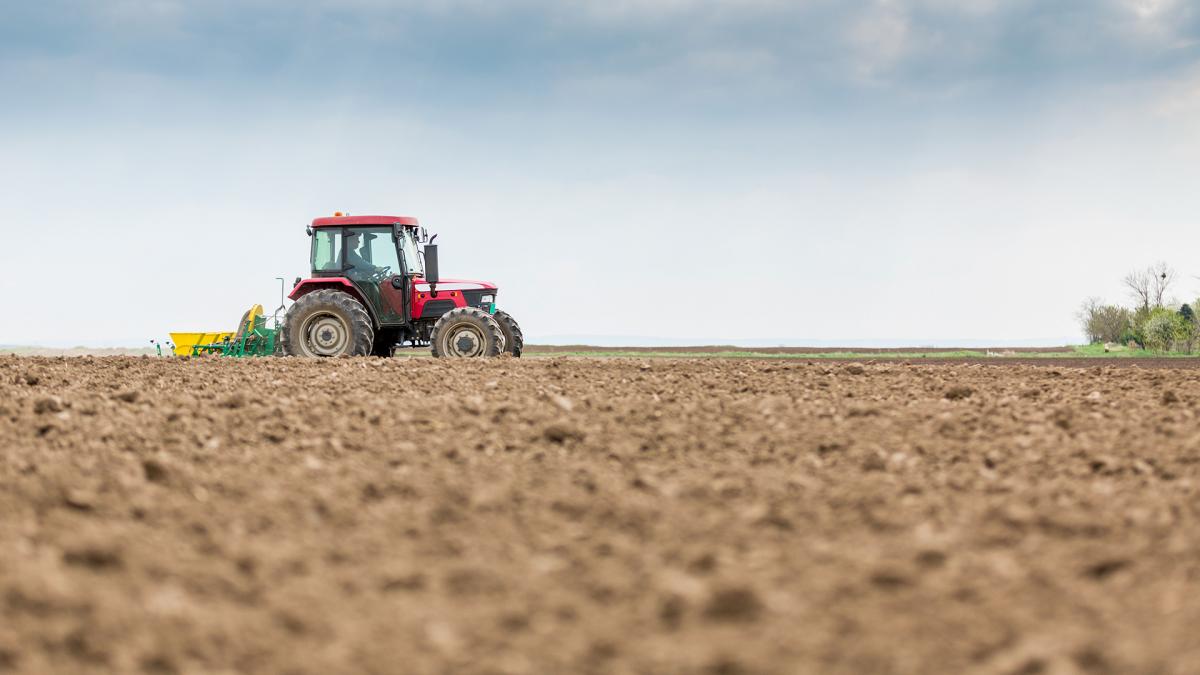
466 332
327 323
514 341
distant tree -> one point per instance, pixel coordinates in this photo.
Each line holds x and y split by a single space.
1132 336
1186 333
1162 275
1140 287
1160 329
1137 325
1149 286
1103 323
1187 329
1086 315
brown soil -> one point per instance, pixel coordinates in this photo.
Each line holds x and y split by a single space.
573 515
713 349
1095 363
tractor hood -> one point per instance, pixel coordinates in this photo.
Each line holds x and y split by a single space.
455 285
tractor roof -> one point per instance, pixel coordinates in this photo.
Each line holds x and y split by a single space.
343 221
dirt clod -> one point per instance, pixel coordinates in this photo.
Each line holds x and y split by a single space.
874 462
562 402
48 404
737 604
79 498
670 611
1106 568
155 471
94 556
959 392
234 401
560 432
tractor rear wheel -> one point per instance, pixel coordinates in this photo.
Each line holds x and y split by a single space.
327 323
514 341
466 332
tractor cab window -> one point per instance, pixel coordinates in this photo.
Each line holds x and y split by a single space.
327 250
371 252
412 257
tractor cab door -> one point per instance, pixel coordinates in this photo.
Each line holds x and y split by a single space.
371 262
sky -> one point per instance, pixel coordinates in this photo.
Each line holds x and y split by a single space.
753 171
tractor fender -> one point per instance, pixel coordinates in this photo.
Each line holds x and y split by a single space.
307 286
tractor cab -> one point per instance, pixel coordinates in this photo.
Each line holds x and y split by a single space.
388 246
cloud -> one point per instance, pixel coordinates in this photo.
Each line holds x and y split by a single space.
464 46
880 40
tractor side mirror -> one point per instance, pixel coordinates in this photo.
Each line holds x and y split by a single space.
431 263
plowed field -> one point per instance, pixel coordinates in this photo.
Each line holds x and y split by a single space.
563 515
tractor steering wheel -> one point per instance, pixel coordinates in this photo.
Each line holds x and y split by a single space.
376 274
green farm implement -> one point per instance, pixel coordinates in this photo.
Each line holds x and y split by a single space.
252 338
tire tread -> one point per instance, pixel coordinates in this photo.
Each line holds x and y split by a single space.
513 338
362 333
493 346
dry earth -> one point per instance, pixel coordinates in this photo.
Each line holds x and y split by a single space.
710 349
573 515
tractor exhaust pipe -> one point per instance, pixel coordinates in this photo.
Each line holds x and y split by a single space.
431 268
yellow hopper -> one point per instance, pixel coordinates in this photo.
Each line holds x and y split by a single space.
184 342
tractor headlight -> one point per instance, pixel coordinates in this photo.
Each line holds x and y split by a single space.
488 299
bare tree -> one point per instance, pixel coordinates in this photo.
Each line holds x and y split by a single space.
1086 315
1162 276
1141 286
1149 286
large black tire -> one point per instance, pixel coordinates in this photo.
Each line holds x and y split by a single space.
327 323
514 341
466 332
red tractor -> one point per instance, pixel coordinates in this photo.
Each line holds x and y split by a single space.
375 285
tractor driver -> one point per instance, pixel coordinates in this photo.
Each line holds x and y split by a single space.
358 254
